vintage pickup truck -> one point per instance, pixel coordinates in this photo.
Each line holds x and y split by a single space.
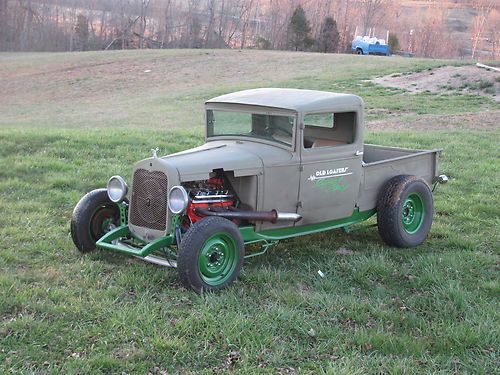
277 163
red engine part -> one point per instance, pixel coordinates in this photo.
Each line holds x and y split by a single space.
213 192
191 208
216 181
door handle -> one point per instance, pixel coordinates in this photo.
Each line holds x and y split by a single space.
358 153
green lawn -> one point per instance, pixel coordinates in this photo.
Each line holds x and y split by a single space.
69 121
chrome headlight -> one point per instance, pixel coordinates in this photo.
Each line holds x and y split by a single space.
177 200
117 189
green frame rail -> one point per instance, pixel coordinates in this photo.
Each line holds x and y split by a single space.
106 242
268 237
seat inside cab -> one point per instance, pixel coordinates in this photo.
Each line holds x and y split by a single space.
329 129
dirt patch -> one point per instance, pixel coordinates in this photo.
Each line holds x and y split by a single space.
488 120
447 80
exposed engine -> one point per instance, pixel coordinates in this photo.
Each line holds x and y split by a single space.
215 197
208 194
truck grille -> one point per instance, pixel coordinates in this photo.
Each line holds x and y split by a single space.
148 206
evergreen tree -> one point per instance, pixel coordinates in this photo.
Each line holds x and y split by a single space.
393 42
299 30
329 37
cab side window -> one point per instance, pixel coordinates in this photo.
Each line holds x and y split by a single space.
329 129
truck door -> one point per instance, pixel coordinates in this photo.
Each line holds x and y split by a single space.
331 171
280 182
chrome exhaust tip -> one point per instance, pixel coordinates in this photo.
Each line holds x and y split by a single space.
288 216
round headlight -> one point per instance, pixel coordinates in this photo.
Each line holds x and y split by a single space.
177 200
117 189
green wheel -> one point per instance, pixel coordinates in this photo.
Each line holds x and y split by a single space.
413 213
405 210
210 254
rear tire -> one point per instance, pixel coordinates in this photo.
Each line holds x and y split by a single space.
359 51
405 210
93 216
210 254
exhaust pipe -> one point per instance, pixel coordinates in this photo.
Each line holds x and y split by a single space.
288 216
272 216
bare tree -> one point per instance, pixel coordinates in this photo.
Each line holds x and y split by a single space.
143 20
431 38
346 24
371 12
493 34
165 33
478 26
246 16
3 24
49 25
211 20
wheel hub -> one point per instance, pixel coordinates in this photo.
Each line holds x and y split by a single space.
408 212
104 219
216 257
412 214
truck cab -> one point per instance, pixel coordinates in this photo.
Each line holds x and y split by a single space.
310 144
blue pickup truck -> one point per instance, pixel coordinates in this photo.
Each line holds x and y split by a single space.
370 46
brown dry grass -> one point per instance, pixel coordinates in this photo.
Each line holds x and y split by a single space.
98 74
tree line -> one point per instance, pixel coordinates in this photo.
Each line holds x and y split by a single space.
307 25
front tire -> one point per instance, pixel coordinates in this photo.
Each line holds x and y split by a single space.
210 254
405 210
93 216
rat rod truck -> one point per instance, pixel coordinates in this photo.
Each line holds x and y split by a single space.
276 164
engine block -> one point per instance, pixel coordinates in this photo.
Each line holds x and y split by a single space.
207 194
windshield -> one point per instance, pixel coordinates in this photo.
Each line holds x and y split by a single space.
243 124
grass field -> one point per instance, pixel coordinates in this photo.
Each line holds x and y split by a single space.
69 121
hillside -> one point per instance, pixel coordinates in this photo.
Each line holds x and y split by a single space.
166 88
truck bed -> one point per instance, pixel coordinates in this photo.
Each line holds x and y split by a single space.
381 163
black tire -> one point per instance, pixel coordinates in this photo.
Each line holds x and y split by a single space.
91 213
198 242
405 210
359 51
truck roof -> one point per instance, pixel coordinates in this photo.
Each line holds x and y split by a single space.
291 99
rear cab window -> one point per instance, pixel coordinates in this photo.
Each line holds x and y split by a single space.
329 129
